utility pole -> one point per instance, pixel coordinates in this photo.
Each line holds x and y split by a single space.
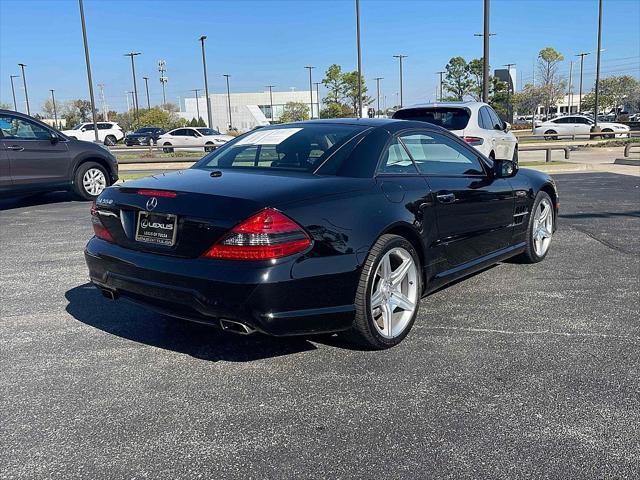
317 84
162 68
359 59
510 91
310 92
13 91
206 82
581 55
146 85
485 55
377 79
24 82
442 72
196 90
270 87
400 57
226 75
89 80
55 112
135 86
595 110
570 85
105 113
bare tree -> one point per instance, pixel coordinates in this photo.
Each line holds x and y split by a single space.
551 83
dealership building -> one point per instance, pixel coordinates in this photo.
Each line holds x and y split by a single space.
248 110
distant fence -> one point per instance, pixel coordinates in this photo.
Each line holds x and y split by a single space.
548 150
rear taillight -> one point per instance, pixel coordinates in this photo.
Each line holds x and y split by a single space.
475 141
266 235
98 228
157 193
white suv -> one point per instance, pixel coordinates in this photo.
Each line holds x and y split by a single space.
475 122
109 133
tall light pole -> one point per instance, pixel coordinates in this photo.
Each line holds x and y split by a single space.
509 91
206 82
105 113
570 85
485 55
135 86
400 57
13 92
55 112
146 86
442 72
24 82
89 80
377 79
359 59
162 68
270 87
196 90
581 55
310 91
595 109
226 75
317 84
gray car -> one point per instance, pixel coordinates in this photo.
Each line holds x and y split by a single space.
37 158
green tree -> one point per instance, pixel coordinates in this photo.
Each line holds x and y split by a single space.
5 106
193 122
335 83
201 122
614 93
336 110
157 117
351 91
294 112
475 67
47 108
457 81
499 97
552 84
527 100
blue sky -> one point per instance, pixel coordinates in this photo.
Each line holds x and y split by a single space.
270 42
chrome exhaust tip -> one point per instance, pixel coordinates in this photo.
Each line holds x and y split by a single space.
110 294
236 327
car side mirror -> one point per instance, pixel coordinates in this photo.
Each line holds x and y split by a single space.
54 137
507 127
504 169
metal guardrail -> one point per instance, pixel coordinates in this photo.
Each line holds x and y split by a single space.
566 136
628 147
567 151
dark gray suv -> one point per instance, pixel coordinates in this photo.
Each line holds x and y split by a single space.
37 158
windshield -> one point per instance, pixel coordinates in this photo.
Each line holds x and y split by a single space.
208 131
78 127
146 130
451 118
298 148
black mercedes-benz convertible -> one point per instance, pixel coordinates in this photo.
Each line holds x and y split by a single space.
320 226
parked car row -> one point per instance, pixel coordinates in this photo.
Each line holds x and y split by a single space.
578 125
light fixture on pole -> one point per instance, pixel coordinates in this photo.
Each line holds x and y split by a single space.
270 87
88 63
206 83
485 52
135 86
400 57
226 75
310 91
581 55
146 86
162 68
377 79
24 82
13 91
196 90
441 73
55 112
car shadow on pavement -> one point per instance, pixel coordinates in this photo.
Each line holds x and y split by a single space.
133 322
9 203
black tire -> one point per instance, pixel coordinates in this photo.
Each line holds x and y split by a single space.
608 133
363 332
166 148
78 186
530 255
110 140
551 135
209 147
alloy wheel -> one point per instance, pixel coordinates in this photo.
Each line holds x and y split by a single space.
394 293
94 181
542 227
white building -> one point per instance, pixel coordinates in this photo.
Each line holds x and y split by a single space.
248 110
566 105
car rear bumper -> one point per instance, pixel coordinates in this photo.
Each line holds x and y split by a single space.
276 299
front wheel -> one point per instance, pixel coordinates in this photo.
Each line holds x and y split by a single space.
551 135
209 147
388 294
607 133
540 229
110 140
90 180
166 148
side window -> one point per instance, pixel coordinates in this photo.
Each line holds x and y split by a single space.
485 119
396 160
104 126
180 132
192 133
21 129
435 154
496 123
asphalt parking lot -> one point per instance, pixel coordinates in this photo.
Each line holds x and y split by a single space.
521 371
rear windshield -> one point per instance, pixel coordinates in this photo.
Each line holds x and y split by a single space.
298 148
447 117
146 130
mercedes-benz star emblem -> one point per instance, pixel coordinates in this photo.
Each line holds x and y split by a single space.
152 203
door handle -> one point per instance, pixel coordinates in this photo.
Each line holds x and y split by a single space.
16 148
446 197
